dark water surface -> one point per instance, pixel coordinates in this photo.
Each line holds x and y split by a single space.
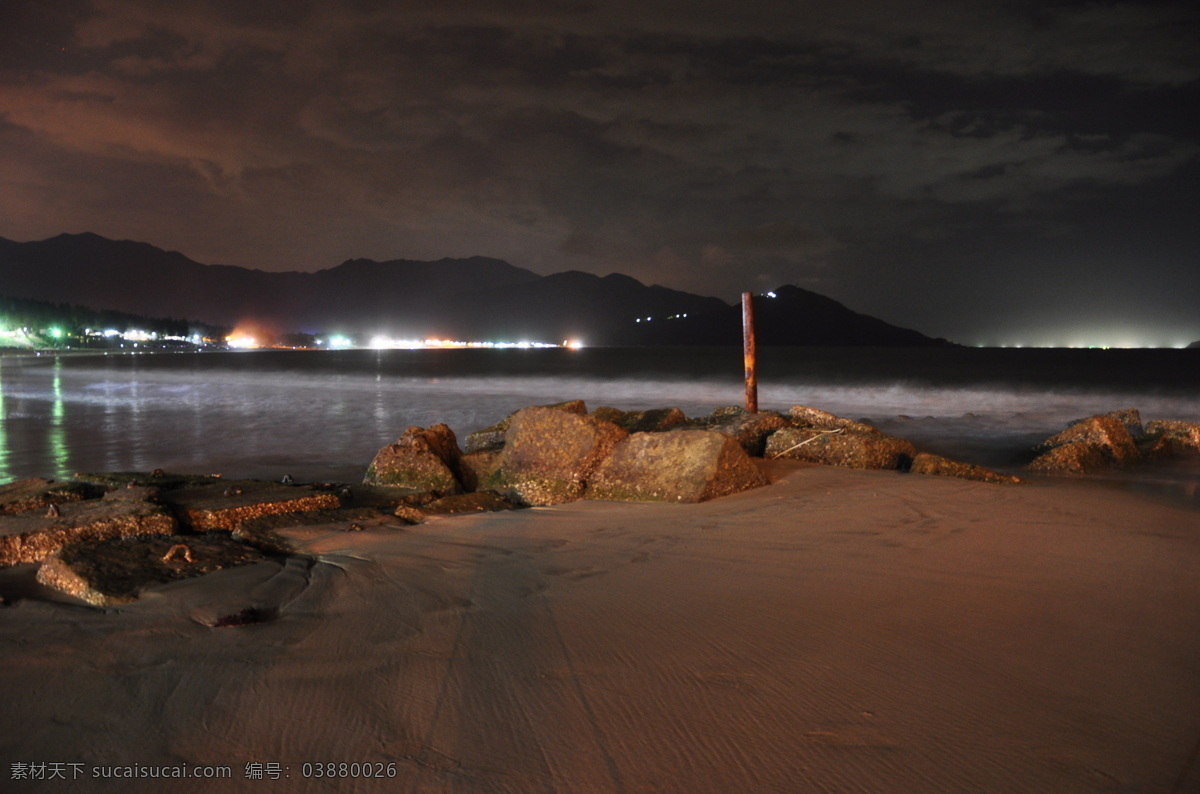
323 414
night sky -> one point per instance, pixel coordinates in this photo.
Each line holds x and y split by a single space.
991 172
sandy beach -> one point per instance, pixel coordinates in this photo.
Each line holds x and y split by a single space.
838 631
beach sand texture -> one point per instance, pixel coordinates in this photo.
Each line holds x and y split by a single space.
838 631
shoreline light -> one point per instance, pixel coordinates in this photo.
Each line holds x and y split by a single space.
384 342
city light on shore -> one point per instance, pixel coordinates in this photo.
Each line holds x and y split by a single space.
382 342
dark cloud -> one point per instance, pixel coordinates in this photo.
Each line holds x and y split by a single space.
949 166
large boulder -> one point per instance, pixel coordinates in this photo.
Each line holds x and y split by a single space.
477 467
549 454
751 430
1167 438
31 537
491 439
676 466
851 448
928 463
421 459
1092 444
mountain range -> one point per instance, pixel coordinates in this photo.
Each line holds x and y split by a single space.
475 298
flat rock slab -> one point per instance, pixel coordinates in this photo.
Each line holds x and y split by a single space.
31 537
115 571
675 466
225 505
382 497
35 493
478 502
157 479
456 504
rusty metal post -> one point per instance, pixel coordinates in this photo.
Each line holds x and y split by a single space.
750 352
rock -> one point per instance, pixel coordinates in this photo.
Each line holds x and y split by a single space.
35 493
476 467
750 430
262 531
382 497
424 460
676 466
115 571
1166 438
650 421
409 514
804 416
491 439
1106 442
1131 418
225 505
133 493
1071 458
31 537
154 479
928 463
549 454
725 412
479 502
841 447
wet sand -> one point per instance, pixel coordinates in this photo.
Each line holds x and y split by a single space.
839 631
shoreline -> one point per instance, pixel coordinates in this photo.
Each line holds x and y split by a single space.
836 630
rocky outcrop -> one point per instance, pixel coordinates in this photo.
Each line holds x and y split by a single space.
549 454
422 459
928 463
848 447
31 537
751 430
675 466
1166 438
115 571
1093 444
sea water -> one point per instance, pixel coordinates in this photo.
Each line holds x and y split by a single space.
324 414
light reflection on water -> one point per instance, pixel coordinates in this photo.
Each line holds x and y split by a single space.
324 415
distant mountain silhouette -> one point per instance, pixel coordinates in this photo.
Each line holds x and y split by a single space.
475 298
788 315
